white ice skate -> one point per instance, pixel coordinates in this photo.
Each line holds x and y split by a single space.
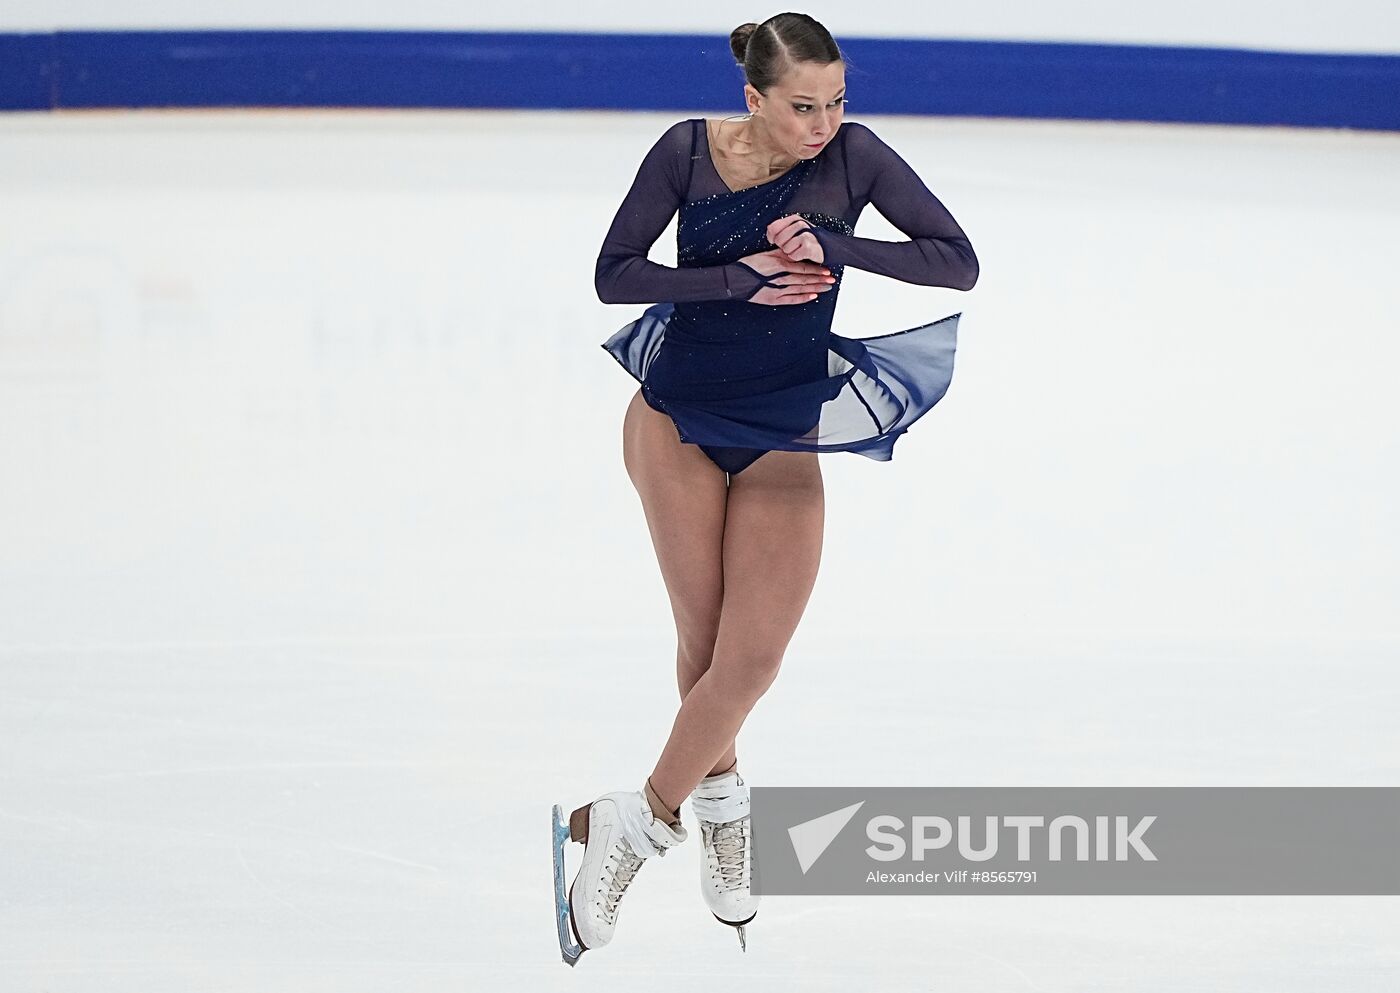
619 832
721 805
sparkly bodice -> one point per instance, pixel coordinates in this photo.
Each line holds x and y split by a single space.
724 227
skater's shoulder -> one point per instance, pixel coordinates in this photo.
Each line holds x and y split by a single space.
680 132
858 135
675 138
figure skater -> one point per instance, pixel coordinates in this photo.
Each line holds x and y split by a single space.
742 384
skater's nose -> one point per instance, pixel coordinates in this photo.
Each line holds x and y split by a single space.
824 125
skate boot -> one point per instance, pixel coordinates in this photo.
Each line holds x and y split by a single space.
721 805
619 832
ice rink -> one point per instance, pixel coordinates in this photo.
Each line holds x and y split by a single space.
321 578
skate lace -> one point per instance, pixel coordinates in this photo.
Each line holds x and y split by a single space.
619 876
729 842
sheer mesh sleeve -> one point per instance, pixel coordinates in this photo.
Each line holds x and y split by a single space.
624 274
939 254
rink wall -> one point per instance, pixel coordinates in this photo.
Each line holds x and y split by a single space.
80 69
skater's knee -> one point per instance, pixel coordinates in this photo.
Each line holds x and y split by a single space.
691 666
695 646
745 678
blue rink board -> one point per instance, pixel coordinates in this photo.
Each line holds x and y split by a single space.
539 70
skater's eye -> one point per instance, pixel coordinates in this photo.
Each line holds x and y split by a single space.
802 108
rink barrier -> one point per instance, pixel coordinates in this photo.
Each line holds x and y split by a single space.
546 70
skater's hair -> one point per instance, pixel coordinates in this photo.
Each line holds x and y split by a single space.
767 50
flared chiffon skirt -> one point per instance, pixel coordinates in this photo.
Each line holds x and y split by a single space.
855 395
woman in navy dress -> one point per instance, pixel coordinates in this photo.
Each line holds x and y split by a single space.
742 385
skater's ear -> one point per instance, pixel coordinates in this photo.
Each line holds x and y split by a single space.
752 98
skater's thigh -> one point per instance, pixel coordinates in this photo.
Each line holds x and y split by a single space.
683 496
772 549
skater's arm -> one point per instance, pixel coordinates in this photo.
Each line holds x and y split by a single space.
938 253
624 274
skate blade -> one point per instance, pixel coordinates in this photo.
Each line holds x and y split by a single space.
569 949
743 940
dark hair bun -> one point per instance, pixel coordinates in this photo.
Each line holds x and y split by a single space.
739 40
766 51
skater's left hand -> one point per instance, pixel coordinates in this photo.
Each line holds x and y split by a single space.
792 235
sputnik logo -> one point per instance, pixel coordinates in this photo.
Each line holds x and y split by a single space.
811 838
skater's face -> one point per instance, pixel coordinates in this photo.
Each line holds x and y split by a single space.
803 110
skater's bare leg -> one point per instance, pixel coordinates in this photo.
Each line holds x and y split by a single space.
688 673
772 542
683 496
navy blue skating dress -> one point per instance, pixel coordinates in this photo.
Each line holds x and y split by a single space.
740 379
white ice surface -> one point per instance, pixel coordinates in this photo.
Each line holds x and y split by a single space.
321 578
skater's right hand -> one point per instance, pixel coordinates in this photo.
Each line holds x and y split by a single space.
804 280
